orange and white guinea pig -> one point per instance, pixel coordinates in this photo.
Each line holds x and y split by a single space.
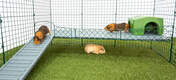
117 27
41 34
94 48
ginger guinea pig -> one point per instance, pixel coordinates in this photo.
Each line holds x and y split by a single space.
94 48
117 27
40 34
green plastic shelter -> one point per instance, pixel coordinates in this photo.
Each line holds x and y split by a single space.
139 25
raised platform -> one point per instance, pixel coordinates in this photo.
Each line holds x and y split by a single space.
63 32
18 67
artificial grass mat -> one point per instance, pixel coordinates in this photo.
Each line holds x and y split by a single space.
65 59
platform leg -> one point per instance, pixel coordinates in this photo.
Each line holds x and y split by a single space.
151 43
82 42
114 43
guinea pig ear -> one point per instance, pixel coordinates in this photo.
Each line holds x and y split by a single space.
102 49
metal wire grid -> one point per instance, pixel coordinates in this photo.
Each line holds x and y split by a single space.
93 15
81 14
165 9
20 19
17 24
66 13
42 13
96 14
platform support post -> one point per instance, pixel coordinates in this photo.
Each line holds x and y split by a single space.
151 43
82 44
172 38
2 41
115 22
114 43
54 30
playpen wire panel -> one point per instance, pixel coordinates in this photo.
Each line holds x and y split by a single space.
16 16
88 18
80 19
165 9
19 19
96 14
16 21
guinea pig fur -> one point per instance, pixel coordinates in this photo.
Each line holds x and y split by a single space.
94 48
41 34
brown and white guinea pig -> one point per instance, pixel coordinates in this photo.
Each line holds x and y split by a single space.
117 27
40 34
94 48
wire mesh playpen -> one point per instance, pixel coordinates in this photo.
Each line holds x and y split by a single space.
85 19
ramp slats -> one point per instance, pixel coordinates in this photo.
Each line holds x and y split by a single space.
18 67
14 69
2 77
25 57
26 51
10 73
28 54
19 61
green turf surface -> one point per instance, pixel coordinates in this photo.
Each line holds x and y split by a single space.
130 60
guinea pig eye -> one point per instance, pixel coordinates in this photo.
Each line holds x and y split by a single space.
38 39
34 38
108 27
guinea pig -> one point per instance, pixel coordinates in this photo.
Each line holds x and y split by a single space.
41 34
94 48
117 27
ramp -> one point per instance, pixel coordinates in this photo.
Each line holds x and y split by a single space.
18 67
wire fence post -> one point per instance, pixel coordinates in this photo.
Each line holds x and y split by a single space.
2 40
82 41
51 30
33 5
51 18
154 2
172 38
